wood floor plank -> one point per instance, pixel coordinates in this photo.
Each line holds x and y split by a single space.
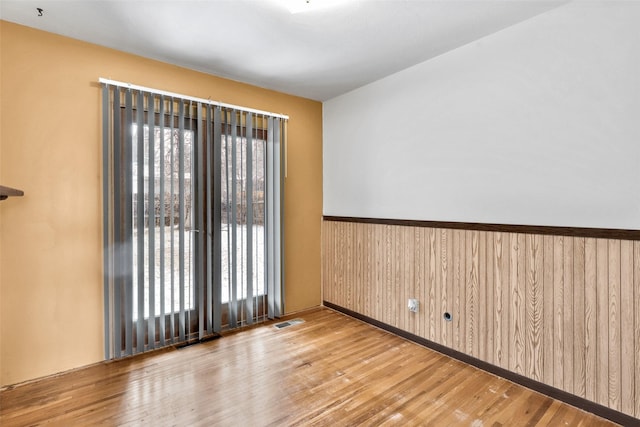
329 370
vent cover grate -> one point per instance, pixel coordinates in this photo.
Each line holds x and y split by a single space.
288 323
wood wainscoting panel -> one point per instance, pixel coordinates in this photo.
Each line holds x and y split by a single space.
591 319
627 314
560 310
636 311
578 334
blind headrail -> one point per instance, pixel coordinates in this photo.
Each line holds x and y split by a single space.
190 98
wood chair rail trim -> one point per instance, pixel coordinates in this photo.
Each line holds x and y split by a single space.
599 233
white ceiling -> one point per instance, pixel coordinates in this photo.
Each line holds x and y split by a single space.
316 54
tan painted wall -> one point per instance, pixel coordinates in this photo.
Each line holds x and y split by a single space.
50 147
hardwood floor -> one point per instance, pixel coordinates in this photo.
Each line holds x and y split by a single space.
330 370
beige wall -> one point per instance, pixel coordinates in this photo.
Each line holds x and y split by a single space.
50 147
544 135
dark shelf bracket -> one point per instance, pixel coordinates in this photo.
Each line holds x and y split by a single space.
6 192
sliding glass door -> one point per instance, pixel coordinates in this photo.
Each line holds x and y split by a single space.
192 196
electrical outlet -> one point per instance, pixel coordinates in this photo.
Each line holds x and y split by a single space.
413 305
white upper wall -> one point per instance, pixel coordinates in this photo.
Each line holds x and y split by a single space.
538 124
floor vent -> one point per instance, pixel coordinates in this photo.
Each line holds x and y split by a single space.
288 323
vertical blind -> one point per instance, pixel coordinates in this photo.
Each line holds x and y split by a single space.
192 205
